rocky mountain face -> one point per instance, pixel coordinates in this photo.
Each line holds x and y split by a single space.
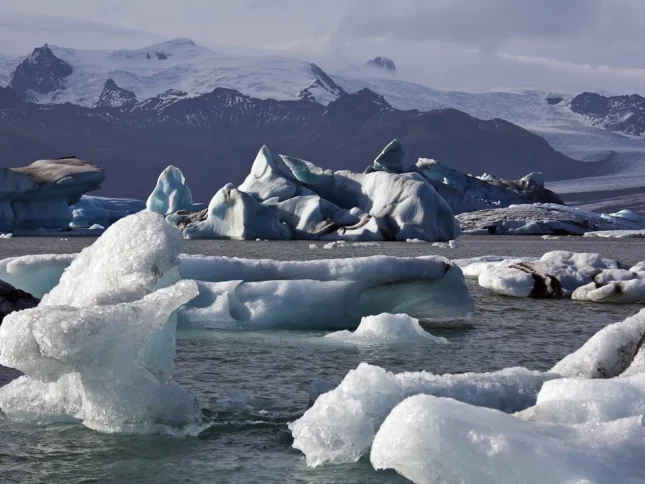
382 63
623 114
113 96
214 137
40 73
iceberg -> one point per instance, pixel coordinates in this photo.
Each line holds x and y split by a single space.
289 198
171 193
556 274
232 214
233 292
261 294
543 219
99 348
465 193
342 423
387 328
429 439
618 234
39 195
90 210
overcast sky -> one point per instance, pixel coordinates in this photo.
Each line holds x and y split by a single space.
569 45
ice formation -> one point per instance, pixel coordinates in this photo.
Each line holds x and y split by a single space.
287 198
100 346
615 286
618 234
103 211
171 193
429 439
40 194
35 274
342 423
544 219
473 267
555 274
387 328
259 294
465 193
608 353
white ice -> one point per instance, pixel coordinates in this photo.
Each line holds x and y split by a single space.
340 426
35 274
429 440
110 320
388 329
618 234
171 193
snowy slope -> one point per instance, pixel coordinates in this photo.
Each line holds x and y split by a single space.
181 64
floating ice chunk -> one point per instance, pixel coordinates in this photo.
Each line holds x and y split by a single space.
550 237
342 423
613 292
429 440
556 274
640 267
391 158
35 274
473 267
171 193
387 328
608 353
97 227
313 246
416 241
233 214
6 236
267 180
453 244
579 400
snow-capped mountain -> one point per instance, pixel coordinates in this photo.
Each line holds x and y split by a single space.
176 64
623 114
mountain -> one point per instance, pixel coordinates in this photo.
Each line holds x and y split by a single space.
39 73
214 137
622 114
384 63
176 64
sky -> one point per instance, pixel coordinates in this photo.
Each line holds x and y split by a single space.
556 45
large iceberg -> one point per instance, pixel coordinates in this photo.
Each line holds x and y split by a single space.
429 439
465 193
342 423
544 219
99 348
39 195
290 198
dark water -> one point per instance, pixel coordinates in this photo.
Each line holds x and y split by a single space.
252 384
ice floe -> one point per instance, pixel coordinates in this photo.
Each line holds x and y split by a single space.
387 329
618 234
90 210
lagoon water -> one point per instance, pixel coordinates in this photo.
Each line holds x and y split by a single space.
252 384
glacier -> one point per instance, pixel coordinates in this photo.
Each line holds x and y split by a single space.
99 348
39 195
